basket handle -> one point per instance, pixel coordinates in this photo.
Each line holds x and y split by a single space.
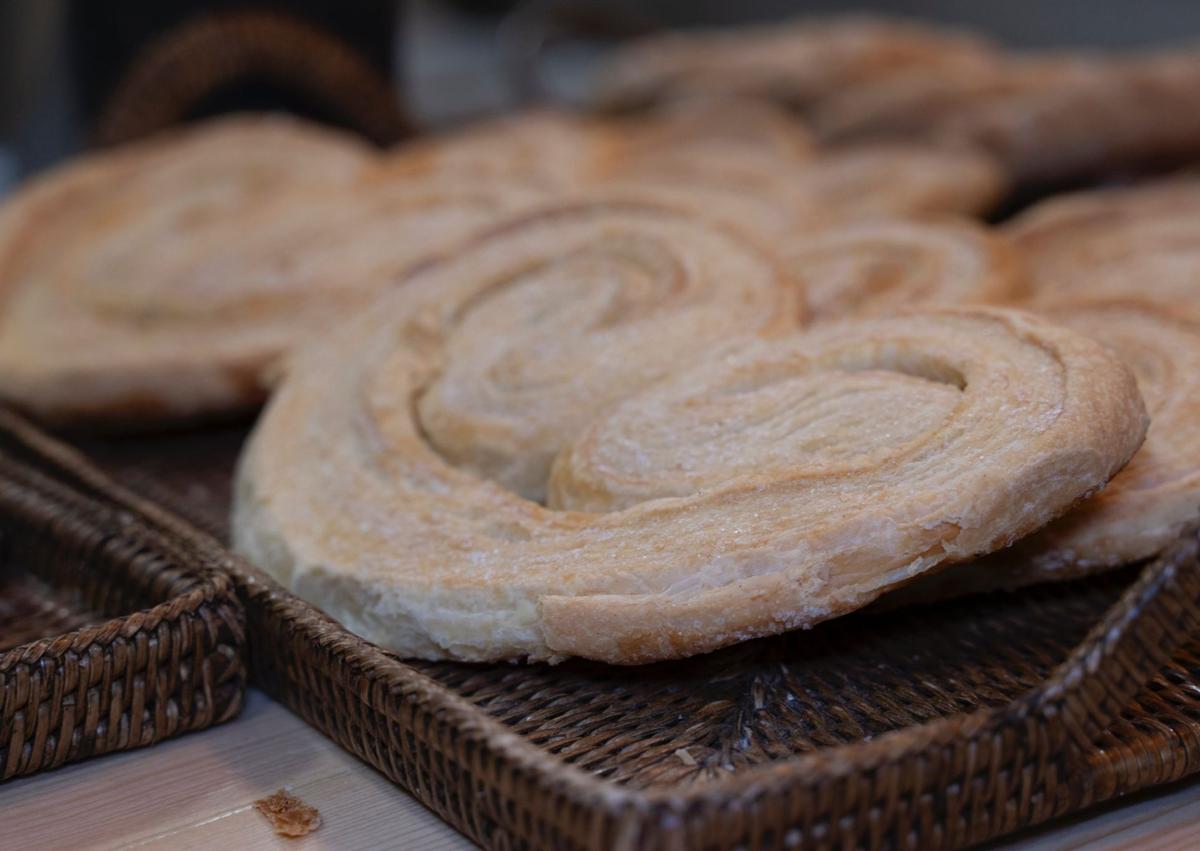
183 66
1130 645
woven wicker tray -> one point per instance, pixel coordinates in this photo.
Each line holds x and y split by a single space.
111 636
933 727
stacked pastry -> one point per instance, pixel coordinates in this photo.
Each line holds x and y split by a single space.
1050 118
637 387
1123 266
168 280
603 430
597 432
165 280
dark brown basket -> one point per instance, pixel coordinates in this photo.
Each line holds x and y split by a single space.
188 64
112 636
933 727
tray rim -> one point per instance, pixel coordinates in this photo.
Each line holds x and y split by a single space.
207 594
1040 736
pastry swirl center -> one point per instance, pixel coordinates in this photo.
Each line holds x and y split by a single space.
752 418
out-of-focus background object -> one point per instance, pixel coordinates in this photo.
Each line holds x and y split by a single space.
81 74
74 72
141 66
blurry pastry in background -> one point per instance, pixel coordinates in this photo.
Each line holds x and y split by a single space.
795 63
736 161
544 147
1132 115
758 167
914 103
187 175
748 163
1049 120
900 179
879 268
173 292
709 132
1139 241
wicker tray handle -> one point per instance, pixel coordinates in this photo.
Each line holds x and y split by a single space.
186 64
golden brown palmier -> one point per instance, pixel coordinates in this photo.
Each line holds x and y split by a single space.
193 172
559 313
880 267
898 179
1136 241
914 104
796 62
172 297
698 498
545 148
1122 115
1153 499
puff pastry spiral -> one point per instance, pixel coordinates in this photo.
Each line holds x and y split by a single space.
202 171
797 62
707 479
173 294
559 314
553 150
1148 504
1138 241
1049 119
880 267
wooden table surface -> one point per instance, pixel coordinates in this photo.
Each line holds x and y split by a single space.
197 792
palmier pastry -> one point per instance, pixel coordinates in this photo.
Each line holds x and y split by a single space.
1128 114
899 179
796 63
705 134
695 497
774 199
731 162
1047 119
914 104
1138 241
881 267
1150 502
562 312
734 161
202 171
174 296
553 150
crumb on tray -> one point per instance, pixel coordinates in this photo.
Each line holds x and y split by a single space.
288 815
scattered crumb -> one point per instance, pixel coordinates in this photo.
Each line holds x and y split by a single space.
685 757
288 815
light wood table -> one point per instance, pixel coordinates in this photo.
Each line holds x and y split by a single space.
197 792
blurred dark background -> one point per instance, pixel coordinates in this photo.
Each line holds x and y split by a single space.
80 72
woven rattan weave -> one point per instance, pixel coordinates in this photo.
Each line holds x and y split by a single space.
112 636
932 727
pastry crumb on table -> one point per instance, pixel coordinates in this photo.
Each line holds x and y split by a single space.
288 815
